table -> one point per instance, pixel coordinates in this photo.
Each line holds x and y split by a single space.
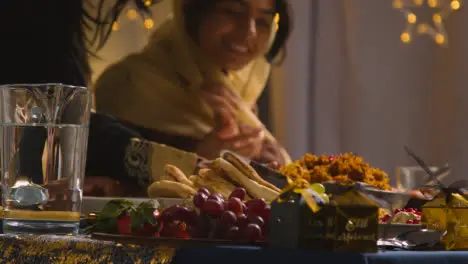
59 249
76 250
250 255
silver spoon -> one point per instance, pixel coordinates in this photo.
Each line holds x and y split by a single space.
423 165
424 239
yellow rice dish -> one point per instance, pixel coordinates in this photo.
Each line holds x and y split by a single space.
343 168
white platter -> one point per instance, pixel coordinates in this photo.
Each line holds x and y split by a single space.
93 204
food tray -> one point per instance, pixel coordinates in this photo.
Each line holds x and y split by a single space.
385 231
393 230
175 242
93 204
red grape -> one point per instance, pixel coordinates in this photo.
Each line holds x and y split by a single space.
256 206
242 221
227 219
266 214
205 191
252 232
180 213
213 208
174 230
147 230
167 216
244 208
238 193
215 197
235 205
169 230
199 199
257 220
233 233
192 217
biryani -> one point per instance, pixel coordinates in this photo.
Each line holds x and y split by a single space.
347 167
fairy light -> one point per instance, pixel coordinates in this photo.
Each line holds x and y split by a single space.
148 23
412 18
397 4
435 27
115 26
432 3
437 18
405 37
132 14
455 5
440 39
422 28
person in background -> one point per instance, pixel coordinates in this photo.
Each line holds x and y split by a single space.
200 76
46 42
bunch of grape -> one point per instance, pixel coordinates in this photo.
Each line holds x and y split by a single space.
216 218
233 219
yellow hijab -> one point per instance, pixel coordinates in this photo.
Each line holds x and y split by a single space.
159 88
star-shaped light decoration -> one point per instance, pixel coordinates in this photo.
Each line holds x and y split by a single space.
434 28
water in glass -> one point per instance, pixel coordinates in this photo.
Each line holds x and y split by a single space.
43 142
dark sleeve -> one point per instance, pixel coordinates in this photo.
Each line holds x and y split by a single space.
32 145
180 142
107 143
113 153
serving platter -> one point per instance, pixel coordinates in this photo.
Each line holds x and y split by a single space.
174 242
386 231
393 230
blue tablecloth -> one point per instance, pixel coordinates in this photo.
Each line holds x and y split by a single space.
252 255
59 249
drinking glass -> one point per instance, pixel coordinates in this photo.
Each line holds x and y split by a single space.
43 142
411 177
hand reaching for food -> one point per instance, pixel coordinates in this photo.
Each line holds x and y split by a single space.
271 154
248 143
232 113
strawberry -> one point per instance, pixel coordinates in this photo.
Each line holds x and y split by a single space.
123 225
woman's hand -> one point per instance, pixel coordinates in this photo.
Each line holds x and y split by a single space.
243 139
271 154
225 105
248 143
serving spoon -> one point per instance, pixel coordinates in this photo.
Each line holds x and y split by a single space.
424 239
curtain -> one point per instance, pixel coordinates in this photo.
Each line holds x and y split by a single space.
349 85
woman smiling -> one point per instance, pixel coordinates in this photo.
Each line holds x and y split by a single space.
200 76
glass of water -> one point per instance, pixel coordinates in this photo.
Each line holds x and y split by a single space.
43 142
